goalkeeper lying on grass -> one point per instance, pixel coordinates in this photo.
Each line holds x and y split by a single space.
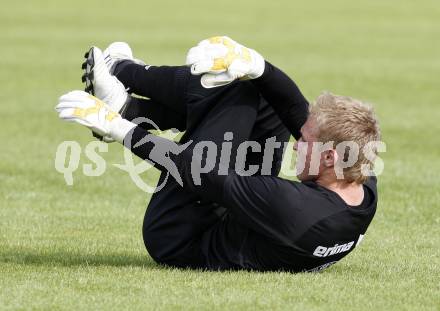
221 218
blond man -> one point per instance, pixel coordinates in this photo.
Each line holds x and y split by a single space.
225 207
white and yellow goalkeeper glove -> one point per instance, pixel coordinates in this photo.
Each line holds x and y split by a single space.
88 110
221 60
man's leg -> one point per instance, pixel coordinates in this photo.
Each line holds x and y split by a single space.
161 115
172 88
175 93
165 85
176 218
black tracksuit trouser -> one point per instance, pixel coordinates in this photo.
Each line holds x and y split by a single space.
176 218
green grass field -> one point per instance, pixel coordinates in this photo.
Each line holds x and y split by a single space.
81 247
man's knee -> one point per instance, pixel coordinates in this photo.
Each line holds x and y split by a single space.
245 90
195 88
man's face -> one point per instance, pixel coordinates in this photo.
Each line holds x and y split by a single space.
304 147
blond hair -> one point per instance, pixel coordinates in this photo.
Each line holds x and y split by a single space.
341 119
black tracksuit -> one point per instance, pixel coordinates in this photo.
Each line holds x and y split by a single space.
260 222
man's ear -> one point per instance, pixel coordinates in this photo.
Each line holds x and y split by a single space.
330 157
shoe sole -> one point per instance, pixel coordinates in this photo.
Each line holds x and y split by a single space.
88 66
87 78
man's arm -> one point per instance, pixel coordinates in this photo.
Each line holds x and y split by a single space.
285 98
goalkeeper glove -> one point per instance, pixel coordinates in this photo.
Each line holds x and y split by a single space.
88 110
221 60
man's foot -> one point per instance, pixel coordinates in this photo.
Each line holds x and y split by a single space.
100 83
117 52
